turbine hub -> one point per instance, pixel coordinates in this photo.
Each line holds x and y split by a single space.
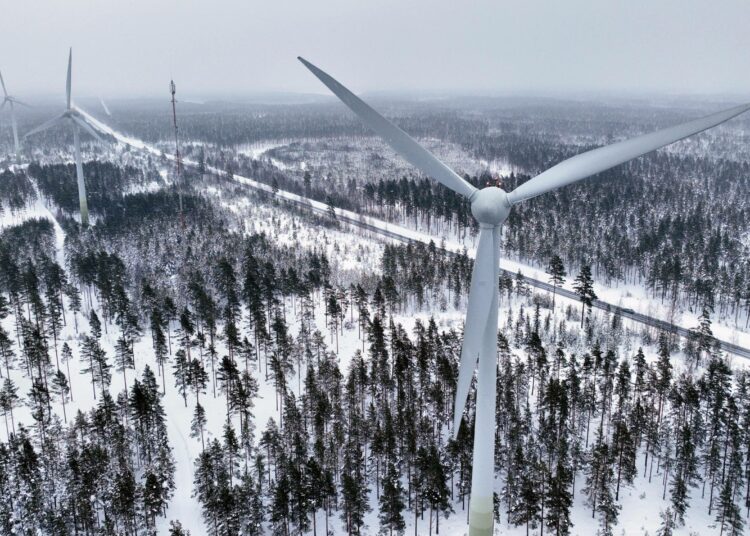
490 205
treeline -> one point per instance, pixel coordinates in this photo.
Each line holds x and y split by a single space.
415 274
579 411
110 471
34 237
568 423
106 471
226 124
105 183
694 257
253 292
16 190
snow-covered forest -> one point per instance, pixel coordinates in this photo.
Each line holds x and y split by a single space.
248 367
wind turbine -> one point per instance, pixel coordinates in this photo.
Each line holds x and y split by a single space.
490 206
11 102
73 117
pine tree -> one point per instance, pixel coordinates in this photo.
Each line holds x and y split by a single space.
685 472
559 498
124 359
27 468
175 529
95 325
66 355
584 287
54 278
182 371
280 507
435 489
95 361
599 486
667 526
159 341
556 272
152 498
198 378
717 386
74 300
354 491
392 502
728 514
526 509
9 400
60 388
198 424
704 336
6 351
125 497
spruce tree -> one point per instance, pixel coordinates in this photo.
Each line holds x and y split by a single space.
392 502
584 287
198 424
556 272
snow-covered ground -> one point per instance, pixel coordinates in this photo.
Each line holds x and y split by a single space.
627 295
641 504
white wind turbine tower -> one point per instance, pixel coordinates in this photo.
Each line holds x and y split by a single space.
76 120
490 207
11 102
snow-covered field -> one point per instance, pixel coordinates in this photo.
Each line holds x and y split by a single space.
353 254
641 504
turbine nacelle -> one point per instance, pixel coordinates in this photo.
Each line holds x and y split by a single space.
490 205
72 113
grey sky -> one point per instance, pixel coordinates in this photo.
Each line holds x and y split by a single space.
130 47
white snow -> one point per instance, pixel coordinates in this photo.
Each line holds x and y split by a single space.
641 504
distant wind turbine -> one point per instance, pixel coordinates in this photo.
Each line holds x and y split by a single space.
491 206
11 102
73 117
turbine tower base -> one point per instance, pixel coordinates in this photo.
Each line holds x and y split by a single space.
480 516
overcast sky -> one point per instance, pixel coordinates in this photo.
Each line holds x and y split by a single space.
132 47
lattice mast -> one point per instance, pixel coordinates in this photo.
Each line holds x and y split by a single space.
177 157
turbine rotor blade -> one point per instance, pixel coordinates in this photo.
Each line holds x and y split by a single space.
2 83
597 160
22 103
70 69
399 140
3 104
104 105
88 128
484 281
44 126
